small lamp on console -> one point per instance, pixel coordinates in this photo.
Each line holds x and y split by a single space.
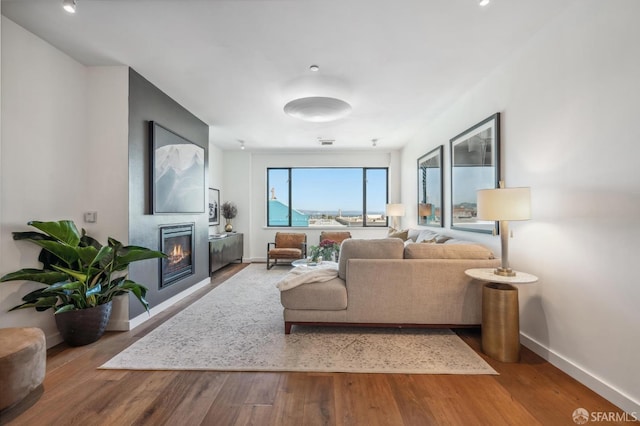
503 205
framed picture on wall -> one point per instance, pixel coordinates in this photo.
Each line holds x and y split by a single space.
178 180
475 164
430 182
214 206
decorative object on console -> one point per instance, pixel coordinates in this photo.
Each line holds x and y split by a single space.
214 206
430 182
504 204
81 275
475 164
178 172
229 211
395 211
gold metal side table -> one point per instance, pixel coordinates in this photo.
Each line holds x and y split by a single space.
500 313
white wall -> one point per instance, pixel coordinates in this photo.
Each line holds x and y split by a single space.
250 194
64 152
569 104
216 167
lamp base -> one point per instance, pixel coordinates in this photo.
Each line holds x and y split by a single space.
504 272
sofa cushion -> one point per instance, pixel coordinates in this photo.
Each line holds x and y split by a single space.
325 296
447 251
385 248
394 233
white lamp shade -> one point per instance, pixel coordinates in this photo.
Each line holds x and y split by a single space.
395 209
504 204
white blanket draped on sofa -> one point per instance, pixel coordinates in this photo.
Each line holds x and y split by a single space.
308 274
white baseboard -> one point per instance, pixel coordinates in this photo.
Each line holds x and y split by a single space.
596 384
134 322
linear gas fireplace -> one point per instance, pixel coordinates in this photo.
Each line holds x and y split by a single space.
177 243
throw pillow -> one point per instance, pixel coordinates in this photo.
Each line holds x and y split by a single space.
394 233
441 239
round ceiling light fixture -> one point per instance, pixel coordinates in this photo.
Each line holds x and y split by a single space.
69 6
317 109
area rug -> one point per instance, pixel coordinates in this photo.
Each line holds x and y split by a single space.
238 326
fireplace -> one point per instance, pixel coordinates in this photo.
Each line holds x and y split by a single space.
177 243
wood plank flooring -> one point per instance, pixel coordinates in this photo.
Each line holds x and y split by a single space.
531 392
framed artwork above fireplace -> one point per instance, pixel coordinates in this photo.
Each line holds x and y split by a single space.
178 178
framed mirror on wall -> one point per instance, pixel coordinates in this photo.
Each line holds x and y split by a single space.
475 164
430 184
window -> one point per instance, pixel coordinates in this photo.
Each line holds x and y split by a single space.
352 196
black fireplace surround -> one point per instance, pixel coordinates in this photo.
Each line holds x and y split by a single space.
177 242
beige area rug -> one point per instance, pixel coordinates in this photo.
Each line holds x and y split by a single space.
238 326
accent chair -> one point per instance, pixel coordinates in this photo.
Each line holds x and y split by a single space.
288 246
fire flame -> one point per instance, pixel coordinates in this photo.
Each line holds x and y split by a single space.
177 255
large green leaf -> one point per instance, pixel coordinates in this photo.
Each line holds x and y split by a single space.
30 235
78 275
60 287
128 286
62 230
65 308
129 254
37 275
66 253
41 304
87 254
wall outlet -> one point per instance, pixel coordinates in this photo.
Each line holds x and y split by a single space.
91 217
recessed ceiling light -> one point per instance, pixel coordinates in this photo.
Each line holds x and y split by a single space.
314 68
483 3
69 5
241 144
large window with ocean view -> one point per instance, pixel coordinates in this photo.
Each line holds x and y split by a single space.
327 196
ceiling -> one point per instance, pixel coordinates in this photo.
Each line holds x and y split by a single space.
235 63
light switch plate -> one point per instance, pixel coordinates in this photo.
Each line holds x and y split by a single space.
91 217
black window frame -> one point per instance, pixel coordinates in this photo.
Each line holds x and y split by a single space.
364 194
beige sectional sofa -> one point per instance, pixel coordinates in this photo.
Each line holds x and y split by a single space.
389 282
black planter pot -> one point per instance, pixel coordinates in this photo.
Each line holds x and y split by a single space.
83 326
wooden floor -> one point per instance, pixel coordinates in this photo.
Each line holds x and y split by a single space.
76 393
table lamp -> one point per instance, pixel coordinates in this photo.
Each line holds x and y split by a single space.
394 211
504 204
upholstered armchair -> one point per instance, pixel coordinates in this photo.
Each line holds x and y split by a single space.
288 246
337 236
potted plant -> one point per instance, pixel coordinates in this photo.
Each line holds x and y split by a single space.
327 250
82 277
229 211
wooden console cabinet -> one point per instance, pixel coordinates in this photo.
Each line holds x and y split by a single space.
223 251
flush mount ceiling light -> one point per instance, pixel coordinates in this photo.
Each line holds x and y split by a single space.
483 3
317 109
317 97
69 5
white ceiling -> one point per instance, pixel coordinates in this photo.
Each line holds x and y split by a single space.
235 63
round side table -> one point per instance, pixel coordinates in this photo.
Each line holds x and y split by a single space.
500 313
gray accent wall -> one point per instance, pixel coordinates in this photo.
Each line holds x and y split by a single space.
148 103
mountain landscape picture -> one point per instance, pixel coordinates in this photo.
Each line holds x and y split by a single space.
178 173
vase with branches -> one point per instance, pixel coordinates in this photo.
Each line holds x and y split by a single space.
229 211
